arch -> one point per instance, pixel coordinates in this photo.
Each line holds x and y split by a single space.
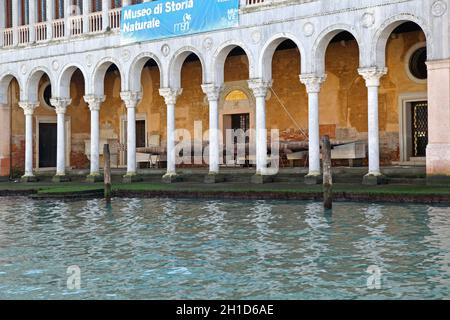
5 81
31 89
323 40
63 85
98 77
136 68
221 55
378 52
266 57
177 62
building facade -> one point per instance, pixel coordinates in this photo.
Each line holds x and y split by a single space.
372 70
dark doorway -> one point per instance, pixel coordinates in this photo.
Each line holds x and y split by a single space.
140 134
419 111
47 145
241 121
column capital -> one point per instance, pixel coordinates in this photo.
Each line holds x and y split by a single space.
94 101
312 82
212 91
170 95
28 107
372 75
131 99
60 104
259 87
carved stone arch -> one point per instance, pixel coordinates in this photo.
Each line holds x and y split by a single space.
176 64
221 55
65 77
97 82
381 37
31 89
135 72
323 40
268 51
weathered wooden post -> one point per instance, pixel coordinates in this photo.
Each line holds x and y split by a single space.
107 173
327 175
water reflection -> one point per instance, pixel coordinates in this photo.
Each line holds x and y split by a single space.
193 249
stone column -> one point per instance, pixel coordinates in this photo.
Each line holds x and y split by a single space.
260 88
28 109
131 100
106 5
61 105
213 94
372 77
86 12
32 19
170 95
95 103
5 134
313 83
50 17
15 21
438 149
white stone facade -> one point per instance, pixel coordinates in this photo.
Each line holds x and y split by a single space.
263 26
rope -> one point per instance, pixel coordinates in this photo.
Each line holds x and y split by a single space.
289 115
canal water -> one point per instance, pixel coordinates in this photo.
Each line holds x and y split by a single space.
195 249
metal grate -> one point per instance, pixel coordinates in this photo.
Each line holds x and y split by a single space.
420 128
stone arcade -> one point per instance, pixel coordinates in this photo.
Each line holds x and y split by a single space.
352 69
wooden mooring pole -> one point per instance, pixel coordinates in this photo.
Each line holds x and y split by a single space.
107 172
327 174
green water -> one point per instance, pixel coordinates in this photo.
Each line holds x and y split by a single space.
194 249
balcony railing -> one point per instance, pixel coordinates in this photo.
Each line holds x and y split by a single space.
40 30
24 35
8 37
58 28
114 18
76 25
94 23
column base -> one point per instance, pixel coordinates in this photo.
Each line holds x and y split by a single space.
262 179
171 178
212 178
29 179
93 178
374 179
131 178
313 179
61 178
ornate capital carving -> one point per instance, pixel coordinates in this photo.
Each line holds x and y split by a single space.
312 82
131 99
212 91
170 95
372 75
28 107
94 102
60 104
259 87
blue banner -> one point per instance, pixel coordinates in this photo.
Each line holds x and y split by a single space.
170 18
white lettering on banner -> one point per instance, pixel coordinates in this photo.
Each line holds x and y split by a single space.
177 6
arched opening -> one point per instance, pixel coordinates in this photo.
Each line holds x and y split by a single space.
73 86
10 164
191 112
343 98
111 111
237 106
404 115
287 105
145 77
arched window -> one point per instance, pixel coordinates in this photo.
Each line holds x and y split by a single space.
42 10
8 13
96 5
59 9
116 4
